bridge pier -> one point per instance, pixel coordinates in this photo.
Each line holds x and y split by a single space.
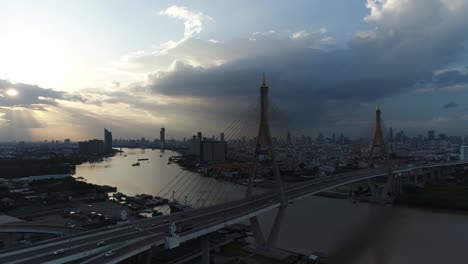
372 188
9 240
275 229
390 184
416 178
205 245
257 231
145 257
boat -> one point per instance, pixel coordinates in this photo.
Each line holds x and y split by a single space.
125 156
136 164
142 159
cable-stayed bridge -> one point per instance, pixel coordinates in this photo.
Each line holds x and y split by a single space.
264 140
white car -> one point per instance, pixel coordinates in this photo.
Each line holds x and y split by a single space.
100 243
60 251
109 253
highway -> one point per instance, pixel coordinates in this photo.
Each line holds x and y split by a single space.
35 228
138 236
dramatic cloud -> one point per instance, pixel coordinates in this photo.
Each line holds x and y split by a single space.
390 58
410 41
38 113
26 95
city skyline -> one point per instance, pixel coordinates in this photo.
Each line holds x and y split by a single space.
194 66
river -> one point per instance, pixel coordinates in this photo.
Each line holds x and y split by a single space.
353 233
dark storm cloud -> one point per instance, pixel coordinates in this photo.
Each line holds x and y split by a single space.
33 96
450 105
404 49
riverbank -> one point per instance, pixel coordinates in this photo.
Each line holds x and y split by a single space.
25 167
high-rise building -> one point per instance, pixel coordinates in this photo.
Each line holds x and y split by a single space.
199 135
442 137
195 146
91 147
463 152
211 150
107 141
162 135
430 135
221 136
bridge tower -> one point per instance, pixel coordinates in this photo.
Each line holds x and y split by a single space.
264 148
378 148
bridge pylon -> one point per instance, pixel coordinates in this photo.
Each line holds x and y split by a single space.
379 151
264 148
378 148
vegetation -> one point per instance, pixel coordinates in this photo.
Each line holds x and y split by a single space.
69 184
444 196
24 167
236 249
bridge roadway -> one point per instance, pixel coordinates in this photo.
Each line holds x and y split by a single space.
138 236
37 228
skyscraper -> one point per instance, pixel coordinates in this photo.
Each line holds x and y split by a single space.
162 135
107 141
430 135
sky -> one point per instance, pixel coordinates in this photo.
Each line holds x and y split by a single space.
70 68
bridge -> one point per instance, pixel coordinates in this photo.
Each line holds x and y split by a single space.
141 236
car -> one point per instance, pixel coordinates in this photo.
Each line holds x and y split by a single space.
60 251
271 200
25 242
100 243
154 224
166 221
109 253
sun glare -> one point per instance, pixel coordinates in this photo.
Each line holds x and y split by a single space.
12 92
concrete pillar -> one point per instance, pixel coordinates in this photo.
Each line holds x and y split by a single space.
373 190
205 250
145 257
9 242
257 231
275 229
